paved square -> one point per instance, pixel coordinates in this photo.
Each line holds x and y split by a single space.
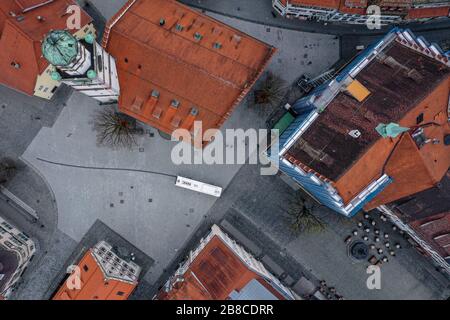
147 209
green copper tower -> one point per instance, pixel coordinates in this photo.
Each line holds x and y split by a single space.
60 48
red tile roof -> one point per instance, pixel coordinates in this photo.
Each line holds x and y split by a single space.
214 274
21 36
95 285
197 68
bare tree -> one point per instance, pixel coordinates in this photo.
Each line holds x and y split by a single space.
8 169
115 129
272 90
302 218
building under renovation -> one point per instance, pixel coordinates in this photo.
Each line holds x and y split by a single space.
23 26
359 11
221 269
378 132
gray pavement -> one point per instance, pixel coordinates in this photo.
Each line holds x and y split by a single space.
98 232
256 206
21 119
147 209
34 284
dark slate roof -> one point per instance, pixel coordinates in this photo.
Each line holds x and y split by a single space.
326 146
8 265
426 203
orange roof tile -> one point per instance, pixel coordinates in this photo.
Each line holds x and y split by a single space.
21 36
95 285
194 65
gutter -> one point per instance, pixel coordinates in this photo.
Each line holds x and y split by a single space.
114 21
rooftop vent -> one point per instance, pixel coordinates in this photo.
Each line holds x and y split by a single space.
414 75
198 36
355 134
15 65
194 111
155 94
447 140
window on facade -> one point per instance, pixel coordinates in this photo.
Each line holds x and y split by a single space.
85 268
120 293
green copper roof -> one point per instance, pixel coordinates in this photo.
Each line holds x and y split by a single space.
56 76
392 130
60 48
89 38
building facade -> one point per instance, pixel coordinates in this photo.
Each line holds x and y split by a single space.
23 25
82 64
100 275
360 11
16 252
221 269
377 132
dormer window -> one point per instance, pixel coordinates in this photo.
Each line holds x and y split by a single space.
419 119
175 104
198 36
155 94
